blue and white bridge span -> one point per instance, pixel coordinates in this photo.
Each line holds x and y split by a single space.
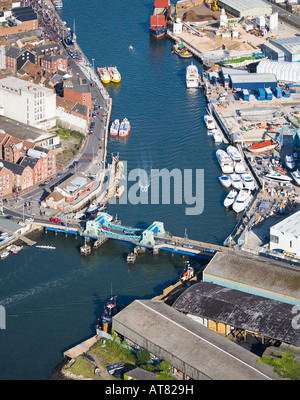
154 237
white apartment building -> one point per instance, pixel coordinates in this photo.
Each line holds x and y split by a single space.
27 102
285 235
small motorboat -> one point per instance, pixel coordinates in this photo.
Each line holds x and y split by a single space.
239 167
217 136
236 181
248 181
114 128
234 154
242 200
277 176
262 146
289 161
225 181
209 122
16 249
296 176
4 254
182 51
230 198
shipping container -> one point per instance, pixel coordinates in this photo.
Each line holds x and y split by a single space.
245 95
269 94
278 93
286 94
261 94
161 3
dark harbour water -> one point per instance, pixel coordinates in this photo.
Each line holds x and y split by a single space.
53 298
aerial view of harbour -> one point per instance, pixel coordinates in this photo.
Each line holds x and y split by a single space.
149 189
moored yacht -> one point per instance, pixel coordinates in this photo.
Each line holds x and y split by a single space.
289 161
296 176
277 176
209 122
236 181
242 200
114 128
224 161
248 181
239 167
192 76
217 136
230 198
225 181
234 154
125 128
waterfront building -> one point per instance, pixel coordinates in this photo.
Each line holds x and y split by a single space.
244 8
21 178
290 47
16 58
6 180
280 281
192 350
229 311
72 115
55 201
28 103
53 63
285 235
284 71
75 186
41 161
77 91
252 82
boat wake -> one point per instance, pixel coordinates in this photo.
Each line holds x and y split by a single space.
145 175
132 49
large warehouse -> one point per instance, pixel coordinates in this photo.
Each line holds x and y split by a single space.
252 82
256 275
245 8
192 349
284 71
290 46
285 235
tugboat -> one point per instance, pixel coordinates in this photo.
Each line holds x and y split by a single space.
188 272
110 309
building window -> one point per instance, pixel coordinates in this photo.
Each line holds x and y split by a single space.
274 239
291 244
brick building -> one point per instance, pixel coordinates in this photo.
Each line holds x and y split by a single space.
78 92
16 58
21 19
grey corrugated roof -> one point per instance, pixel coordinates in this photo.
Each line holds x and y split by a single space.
268 317
191 346
9 225
256 272
250 78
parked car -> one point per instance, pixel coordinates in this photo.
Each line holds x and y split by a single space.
92 83
29 219
104 228
55 220
94 114
96 107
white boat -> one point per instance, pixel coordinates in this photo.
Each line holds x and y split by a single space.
230 198
4 254
234 154
93 207
277 176
239 167
124 128
45 246
192 76
225 181
242 200
114 128
224 161
289 161
248 181
115 75
209 122
217 136
296 176
236 181
16 249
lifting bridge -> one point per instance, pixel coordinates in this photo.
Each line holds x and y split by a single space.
154 237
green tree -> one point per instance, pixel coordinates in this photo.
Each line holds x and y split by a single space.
143 357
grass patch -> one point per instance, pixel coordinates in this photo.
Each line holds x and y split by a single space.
284 365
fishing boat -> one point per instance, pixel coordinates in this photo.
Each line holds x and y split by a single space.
277 176
4 254
110 309
209 122
262 147
229 200
114 128
104 75
236 181
125 128
192 76
224 161
119 191
217 136
242 200
182 51
239 167
248 181
234 154
159 18
115 75
16 249
225 181
296 176
289 161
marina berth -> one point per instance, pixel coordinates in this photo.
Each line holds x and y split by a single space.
115 75
192 76
114 128
104 75
224 161
209 122
242 200
125 128
230 198
236 181
225 181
